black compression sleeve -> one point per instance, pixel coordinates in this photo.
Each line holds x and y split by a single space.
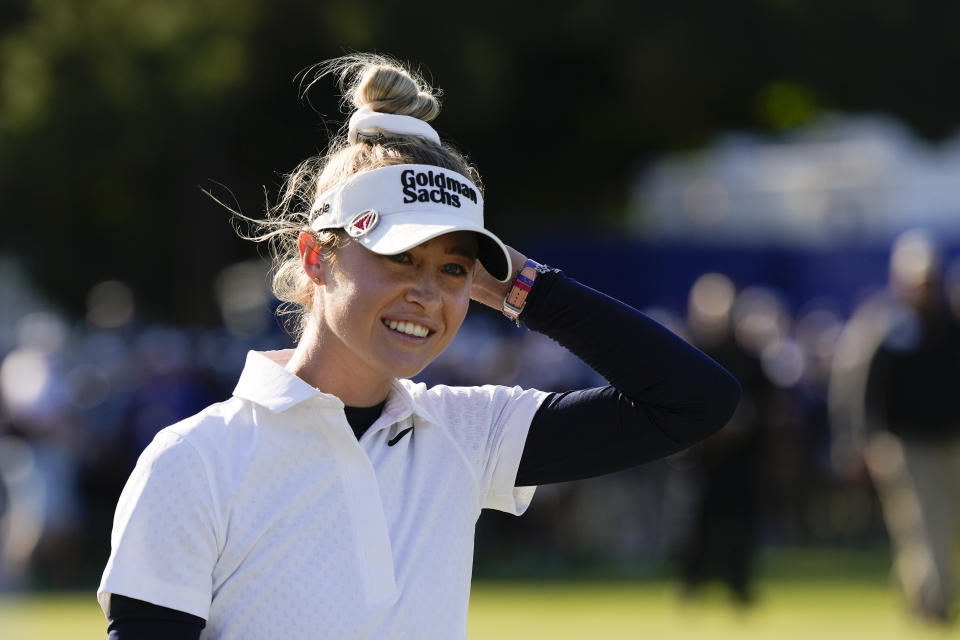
132 619
665 394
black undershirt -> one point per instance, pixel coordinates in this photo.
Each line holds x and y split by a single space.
362 418
664 395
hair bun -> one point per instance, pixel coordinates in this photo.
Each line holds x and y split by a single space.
389 89
384 85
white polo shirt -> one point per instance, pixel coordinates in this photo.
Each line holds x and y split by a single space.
265 516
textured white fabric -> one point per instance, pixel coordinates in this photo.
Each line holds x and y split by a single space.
365 120
264 514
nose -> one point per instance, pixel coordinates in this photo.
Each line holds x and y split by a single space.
424 290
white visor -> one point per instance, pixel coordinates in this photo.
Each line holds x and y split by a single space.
392 209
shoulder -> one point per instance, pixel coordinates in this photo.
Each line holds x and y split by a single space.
203 434
213 420
448 403
441 393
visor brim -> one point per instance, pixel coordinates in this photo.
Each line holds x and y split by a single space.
399 232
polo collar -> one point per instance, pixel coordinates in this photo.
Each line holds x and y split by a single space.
401 404
265 381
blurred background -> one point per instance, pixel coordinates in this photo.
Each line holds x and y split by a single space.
741 171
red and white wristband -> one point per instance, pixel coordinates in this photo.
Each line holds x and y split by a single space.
516 300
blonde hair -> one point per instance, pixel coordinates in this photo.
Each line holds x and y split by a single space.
365 80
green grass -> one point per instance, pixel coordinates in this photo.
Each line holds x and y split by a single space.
803 611
47 616
810 595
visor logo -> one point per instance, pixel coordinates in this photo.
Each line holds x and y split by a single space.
363 223
319 209
442 188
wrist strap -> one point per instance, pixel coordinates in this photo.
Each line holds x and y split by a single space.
516 300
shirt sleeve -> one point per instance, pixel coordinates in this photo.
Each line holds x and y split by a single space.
164 540
664 395
514 409
489 425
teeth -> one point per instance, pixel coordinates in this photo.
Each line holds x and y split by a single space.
408 328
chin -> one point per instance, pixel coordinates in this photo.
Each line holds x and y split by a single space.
400 368
409 372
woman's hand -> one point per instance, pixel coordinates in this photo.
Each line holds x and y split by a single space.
488 290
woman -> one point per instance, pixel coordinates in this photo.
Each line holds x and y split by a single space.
332 497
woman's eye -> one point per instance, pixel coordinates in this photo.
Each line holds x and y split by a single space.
455 269
403 258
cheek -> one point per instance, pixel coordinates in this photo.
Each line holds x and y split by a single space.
457 306
342 308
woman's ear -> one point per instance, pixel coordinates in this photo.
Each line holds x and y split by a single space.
311 257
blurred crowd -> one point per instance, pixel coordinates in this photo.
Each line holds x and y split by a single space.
822 450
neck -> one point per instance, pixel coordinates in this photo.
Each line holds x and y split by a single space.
316 361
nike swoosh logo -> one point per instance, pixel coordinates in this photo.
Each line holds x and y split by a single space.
396 438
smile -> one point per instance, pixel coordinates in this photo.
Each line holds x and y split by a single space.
409 328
